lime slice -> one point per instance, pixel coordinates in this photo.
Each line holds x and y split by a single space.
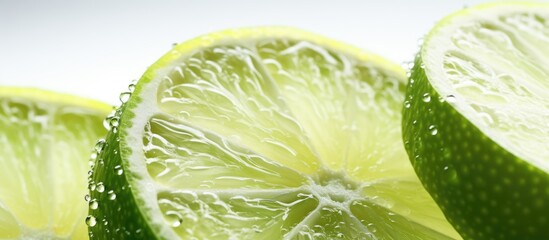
476 120
262 133
45 143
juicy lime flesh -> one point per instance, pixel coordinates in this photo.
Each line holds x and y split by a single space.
284 139
42 179
499 69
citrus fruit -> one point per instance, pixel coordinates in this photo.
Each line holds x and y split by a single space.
45 145
476 120
261 133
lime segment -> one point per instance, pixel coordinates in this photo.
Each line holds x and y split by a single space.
46 141
263 133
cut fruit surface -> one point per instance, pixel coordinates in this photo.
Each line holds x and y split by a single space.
45 143
263 133
476 120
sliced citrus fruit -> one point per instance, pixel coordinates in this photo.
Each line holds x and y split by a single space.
45 144
476 120
262 133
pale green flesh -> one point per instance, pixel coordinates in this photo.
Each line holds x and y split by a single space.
500 70
284 135
44 150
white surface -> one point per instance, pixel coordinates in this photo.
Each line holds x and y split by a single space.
95 48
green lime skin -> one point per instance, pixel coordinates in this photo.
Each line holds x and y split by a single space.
116 218
484 191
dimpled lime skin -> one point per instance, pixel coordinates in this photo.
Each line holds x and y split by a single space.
484 191
117 218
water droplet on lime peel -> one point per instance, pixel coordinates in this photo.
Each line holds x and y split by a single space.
451 175
407 104
94 204
100 187
112 195
433 130
91 163
124 97
131 87
426 97
114 122
87 197
90 221
118 170
99 145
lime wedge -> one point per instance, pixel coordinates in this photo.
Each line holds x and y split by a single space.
262 133
476 120
45 143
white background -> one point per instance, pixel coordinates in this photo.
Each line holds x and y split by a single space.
95 48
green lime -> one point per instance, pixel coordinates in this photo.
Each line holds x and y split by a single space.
262 133
476 120
45 143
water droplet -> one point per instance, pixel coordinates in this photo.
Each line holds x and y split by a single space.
87 197
93 156
407 104
114 122
177 222
422 66
426 97
433 130
90 172
112 195
90 221
99 145
124 97
451 174
173 219
91 163
100 187
91 186
118 170
94 204
451 99
131 87
106 124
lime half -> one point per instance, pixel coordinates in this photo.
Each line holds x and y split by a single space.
476 120
263 133
45 144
